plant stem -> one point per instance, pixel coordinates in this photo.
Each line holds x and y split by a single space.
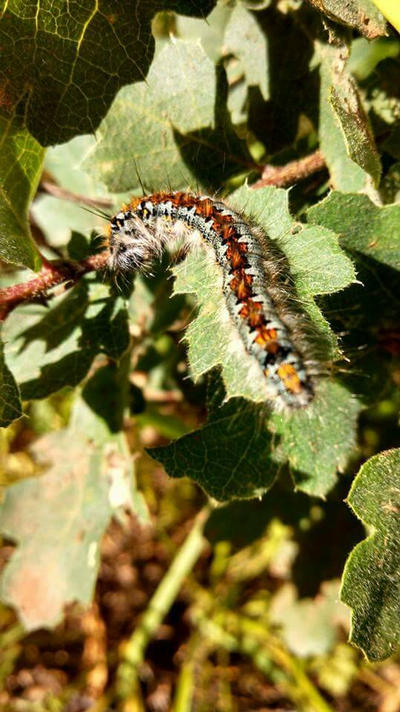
160 603
184 688
292 172
51 274
63 194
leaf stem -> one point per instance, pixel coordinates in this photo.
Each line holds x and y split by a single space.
160 603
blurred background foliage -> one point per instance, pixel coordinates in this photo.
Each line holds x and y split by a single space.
123 588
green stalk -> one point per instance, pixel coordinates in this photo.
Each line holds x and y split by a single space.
184 688
160 603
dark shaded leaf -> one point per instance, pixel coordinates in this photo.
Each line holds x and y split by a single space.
10 404
371 582
68 61
228 457
20 167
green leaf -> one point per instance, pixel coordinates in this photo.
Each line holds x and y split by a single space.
363 226
317 441
179 132
345 136
362 15
228 457
68 61
10 404
365 56
58 519
20 168
316 261
58 217
48 349
209 33
354 122
371 581
211 336
245 39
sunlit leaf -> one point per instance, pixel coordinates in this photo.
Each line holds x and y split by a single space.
58 518
179 132
345 136
318 439
363 15
48 349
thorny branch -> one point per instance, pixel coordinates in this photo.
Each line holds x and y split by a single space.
58 271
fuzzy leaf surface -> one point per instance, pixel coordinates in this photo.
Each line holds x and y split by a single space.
356 129
179 133
317 266
21 159
371 582
229 457
318 440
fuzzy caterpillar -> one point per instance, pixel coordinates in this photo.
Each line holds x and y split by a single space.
266 321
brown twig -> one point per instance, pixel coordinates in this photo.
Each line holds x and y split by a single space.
58 192
292 172
51 274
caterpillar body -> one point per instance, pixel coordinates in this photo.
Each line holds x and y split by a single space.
266 321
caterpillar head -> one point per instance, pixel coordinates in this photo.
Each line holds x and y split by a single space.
132 245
